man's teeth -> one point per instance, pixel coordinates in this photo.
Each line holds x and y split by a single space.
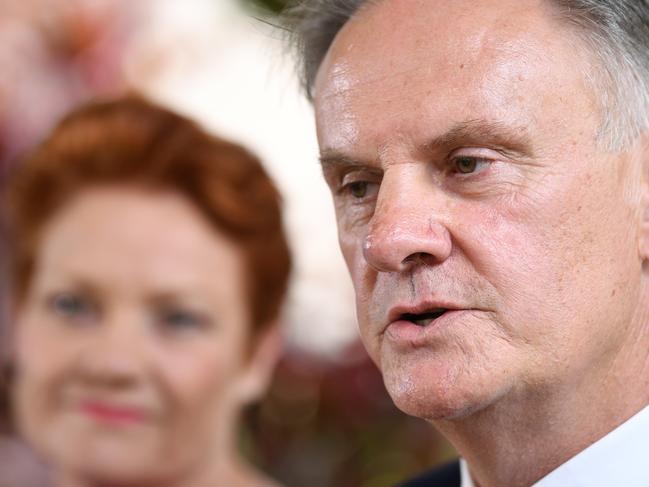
424 319
422 322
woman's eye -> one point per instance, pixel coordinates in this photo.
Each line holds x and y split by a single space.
71 306
181 320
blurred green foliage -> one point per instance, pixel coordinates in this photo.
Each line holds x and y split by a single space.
332 424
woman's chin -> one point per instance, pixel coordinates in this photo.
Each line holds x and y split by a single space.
108 473
109 463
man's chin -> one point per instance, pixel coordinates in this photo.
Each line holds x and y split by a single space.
439 397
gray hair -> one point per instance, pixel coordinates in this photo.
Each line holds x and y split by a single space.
616 32
313 25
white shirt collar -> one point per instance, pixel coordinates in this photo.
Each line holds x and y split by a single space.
619 458
465 476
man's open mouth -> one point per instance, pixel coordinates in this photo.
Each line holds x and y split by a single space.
423 319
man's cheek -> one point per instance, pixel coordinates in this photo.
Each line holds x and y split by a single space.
352 250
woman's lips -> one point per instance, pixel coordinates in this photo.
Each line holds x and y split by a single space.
107 413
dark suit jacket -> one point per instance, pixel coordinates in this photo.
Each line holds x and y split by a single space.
445 476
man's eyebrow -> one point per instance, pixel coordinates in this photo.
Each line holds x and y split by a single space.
332 158
496 134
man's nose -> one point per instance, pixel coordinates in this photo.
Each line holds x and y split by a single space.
407 229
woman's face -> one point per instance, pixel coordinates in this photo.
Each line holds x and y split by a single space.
132 342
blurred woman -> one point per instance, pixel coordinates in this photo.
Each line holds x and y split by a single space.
148 268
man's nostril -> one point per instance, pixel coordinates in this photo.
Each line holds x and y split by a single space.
417 257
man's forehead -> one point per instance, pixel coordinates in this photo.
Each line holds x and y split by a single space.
393 36
461 61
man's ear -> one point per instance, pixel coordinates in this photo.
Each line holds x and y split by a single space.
643 235
265 351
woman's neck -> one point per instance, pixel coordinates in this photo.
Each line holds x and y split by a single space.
232 471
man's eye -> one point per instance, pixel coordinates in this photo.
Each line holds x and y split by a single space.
71 306
358 189
468 164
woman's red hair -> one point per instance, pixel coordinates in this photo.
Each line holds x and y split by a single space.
132 141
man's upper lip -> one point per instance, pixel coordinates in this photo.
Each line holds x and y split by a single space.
396 312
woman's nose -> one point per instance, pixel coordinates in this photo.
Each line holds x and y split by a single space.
113 356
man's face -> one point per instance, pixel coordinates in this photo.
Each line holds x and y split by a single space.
492 241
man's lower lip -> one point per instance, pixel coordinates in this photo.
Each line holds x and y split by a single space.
110 414
407 334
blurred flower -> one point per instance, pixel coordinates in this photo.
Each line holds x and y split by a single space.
56 53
